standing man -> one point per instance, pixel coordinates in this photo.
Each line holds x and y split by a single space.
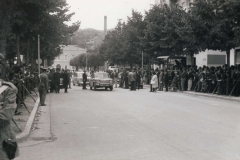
70 78
65 81
165 79
132 79
84 77
56 80
121 80
183 76
190 79
126 80
138 79
50 78
115 78
43 86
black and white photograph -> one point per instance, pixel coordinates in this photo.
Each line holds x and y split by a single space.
119 79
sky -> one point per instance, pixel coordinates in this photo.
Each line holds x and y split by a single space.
91 12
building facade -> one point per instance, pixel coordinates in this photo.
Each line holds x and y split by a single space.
68 53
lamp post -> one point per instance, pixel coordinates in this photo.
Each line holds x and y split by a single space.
142 63
86 55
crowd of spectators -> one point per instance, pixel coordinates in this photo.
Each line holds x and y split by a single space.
26 79
221 80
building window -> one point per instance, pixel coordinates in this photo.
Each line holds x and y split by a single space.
237 57
59 57
66 67
66 57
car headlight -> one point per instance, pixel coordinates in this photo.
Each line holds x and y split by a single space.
97 81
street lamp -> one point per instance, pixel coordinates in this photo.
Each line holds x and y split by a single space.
86 54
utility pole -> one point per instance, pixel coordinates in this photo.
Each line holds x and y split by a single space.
142 63
86 54
18 52
38 54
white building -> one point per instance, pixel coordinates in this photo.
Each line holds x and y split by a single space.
68 52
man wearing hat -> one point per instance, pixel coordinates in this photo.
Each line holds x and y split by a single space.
43 86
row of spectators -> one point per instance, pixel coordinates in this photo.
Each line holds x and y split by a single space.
23 77
221 80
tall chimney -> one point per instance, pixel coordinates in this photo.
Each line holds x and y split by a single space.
105 25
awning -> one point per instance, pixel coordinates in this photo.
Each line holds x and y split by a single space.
162 57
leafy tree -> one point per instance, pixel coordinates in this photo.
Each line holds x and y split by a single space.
123 44
112 47
163 33
133 32
215 23
28 18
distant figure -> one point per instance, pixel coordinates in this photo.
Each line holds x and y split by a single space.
84 77
165 79
154 82
138 79
43 86
115 78
56 80
65 77
132 79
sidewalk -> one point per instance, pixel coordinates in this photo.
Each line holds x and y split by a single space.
25 119
210 95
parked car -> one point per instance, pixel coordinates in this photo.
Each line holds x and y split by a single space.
113 68
101 80
77 78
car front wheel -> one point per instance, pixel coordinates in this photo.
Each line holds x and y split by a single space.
111 88
95 88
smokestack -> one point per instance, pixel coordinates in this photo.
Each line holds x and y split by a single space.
105 25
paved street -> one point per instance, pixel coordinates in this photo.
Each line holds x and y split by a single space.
137 125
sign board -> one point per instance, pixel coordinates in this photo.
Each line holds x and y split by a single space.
40 61
216 59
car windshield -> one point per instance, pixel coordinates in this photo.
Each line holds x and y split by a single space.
101 75
79 74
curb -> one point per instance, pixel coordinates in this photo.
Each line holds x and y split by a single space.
25 133
209 95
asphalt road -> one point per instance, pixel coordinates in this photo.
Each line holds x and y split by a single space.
138 125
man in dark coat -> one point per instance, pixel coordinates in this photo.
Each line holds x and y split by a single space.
165 79
56 80
84 77
183 77
43 86
132 79
125 75
65 77
138 79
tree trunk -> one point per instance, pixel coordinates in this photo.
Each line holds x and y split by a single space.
18 52
192 60
27 56
228 57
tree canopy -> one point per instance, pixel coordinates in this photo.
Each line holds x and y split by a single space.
172 30
23 20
